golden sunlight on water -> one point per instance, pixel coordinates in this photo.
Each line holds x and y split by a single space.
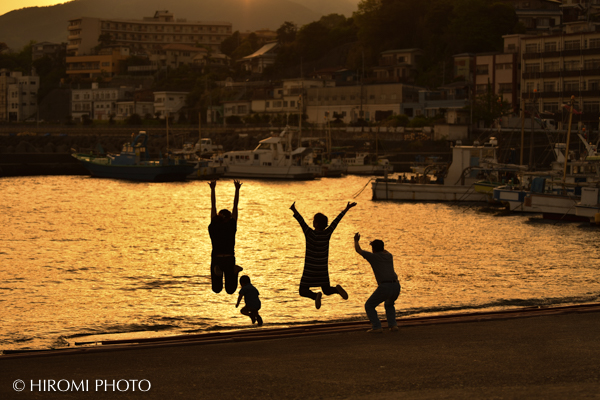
91 256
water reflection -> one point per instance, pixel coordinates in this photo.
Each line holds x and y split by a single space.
82 255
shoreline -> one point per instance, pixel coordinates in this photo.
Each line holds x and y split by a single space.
546 354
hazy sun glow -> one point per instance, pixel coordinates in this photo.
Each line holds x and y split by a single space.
10 5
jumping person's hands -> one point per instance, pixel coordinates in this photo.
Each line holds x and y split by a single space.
212 184
357 237
293 207
237 184
350 205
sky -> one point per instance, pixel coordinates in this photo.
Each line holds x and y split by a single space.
9 5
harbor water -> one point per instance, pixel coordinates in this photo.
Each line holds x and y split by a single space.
82 257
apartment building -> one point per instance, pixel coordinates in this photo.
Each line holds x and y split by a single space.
169 103
397 65
18 96
145 34
539 16
98 103
370 102
556 67
106 64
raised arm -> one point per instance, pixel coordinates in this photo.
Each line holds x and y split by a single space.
337 219
356 244
293 208
213 199
236 199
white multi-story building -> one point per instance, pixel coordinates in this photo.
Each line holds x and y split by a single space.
145 34
98 103
169 103
18 96
557 67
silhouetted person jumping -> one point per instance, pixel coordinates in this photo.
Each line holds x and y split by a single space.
222 229
316 260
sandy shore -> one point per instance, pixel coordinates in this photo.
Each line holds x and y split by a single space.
528 356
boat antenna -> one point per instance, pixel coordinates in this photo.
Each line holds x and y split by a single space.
568 137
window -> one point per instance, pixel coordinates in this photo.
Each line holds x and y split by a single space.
529 87
593 84
482 69
551 66
532 67
551 107
505 88
572 65
594 43
531 48
572 44
591 64
499 66
591 106
571 86
549 86
481 88
550 46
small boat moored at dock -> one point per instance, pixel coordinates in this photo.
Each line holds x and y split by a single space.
134 164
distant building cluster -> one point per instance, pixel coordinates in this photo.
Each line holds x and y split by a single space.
558 57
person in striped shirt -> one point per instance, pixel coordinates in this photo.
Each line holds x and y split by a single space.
316 260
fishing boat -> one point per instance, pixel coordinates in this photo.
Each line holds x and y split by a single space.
589 205
273 158
556 193
204 168
367 164
470 164
134 164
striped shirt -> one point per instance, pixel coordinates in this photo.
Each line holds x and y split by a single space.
316 259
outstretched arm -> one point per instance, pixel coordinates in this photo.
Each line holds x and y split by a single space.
356 244
337 219
213 199
236 199
238 301
293 208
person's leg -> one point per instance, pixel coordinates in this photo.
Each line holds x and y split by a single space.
390 309
329 290
216 275
249 312
231 272
378 297
306 292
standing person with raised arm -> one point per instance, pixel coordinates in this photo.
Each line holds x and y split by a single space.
388 286
222 230
316 260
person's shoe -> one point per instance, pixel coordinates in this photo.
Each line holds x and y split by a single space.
380 330
253 318
342 292
259 320
393 329
237 269
318 300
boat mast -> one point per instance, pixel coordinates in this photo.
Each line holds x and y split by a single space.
568 137
200 131
167 134
522 128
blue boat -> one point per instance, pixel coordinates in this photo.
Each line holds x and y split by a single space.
134 164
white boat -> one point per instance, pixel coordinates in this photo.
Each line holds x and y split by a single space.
273 158
367 164
589 205
554 193
469 165
204 168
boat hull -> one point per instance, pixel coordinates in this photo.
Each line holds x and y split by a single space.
141 173
552 206
393 190
270 172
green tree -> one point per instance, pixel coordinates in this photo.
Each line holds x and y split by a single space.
286 33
